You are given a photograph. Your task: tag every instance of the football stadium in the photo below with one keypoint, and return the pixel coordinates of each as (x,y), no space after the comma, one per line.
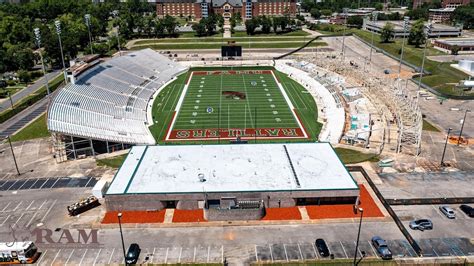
(229,140)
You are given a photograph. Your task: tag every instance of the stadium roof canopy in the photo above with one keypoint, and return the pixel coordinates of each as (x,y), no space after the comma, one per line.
(231,168)
(111,100)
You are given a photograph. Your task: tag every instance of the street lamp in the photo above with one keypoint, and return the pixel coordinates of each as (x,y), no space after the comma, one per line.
(119,216)
(57,23)
(462,126)
(344,11)
(405,28)
(445,144)
(87,17)
(358,235)
(13,154)
(38,43)
(430,27)
(115,14)
(374,20)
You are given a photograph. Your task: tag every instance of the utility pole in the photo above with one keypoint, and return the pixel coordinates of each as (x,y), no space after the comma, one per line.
(57,23)
(358,235)
(13,154)
(445,144)
(119,216)
(37,33)
(87,18)
(430,26)
(406,21)
(374,20)
(344,11)
(462,126)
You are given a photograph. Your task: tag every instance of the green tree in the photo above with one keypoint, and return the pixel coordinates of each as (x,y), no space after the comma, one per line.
(315,13)
(24,76)
(378,6)
(386,35)
(417,33)
(465,15)
(200,28)
(158,28)
(170,24)
(251,25)
(355,21)
(326,12)
(266,24)
(455,49)
(276,23)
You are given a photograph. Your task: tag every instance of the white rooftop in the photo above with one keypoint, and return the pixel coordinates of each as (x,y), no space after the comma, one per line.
(231,168)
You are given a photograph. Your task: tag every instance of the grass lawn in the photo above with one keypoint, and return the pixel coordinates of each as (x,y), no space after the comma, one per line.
(36,129)
(214,39)
(234,101)
(257,34)
(349,156)
(429,127)
(113,162)
(443,77)
(365,261)
(175,46)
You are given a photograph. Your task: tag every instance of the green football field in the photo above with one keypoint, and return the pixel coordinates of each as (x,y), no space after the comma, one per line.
(247,103)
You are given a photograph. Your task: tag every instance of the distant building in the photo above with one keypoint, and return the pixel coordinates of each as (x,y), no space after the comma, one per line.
(437,31)
(464,44)
(444,3)
(441,15)
(248,9)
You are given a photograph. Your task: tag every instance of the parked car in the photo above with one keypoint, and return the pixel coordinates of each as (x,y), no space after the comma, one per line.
(421,224)
(467,210)
(382,249)
(133,253)
(322,247)
(448,212)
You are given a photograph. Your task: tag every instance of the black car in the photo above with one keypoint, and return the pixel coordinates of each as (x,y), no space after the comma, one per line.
(382,249)
(322,247)
(468,210)
(133,253)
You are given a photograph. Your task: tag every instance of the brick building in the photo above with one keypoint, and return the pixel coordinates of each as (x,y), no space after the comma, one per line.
(444,3)
(198,9)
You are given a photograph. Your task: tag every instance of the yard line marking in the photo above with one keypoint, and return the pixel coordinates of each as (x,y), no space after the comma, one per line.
(12,185)
(19,218)
(17,206)
(180,253)
(83,256)
(286,254)
(42,185)
(8,217)
(47,212)
(6,206)
(55,182)
(301,253)
(41,257)
(33,183)
(27,208)
(194,255)
(375,253)
(96,257)
(208,253)
(314,249)
(52,262)
(271,252)
(68,258)
(166,257)
(90,179)
(256,254)
(111,255)
(343,249)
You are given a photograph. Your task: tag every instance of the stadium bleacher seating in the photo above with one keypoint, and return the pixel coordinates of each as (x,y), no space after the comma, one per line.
(109,101)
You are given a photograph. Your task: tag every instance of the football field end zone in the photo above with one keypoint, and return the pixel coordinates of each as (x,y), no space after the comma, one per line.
(232,133)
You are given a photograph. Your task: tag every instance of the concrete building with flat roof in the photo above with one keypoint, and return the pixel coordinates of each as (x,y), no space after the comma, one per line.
(226,177)
(464,44)
(437,30)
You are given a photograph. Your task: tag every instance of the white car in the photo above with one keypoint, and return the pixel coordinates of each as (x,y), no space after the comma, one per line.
(448,212)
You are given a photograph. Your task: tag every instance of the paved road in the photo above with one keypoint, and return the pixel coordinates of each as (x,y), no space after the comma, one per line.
(5,104)
(24,117)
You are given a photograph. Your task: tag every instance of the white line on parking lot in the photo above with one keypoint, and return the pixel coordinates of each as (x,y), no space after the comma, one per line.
(343,249)
(194,255)
(286,254)
(271,252)
(17,206)
(314,249)
(222,254)
(6,207)
(55,182)
(44,202)
(52,263)
(44,183)
(42,256)
(166,256)
(83,256)
(437,211)
(256,254)
(19,218)
(112,254)
(436,253)
(47,212)
(180,253)
(88,181)
(33,184)
(8,217)
(301,253)
(31,220)
(27,208)
(373,250)
(152,256)
(12,185)
(22,184)
(208,253)
(68,258)
(96,257)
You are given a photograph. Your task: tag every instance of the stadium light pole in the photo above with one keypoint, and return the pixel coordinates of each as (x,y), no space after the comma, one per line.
(119,216)
(344,11)
(406,21)
(37,33)
(358,235)
(13,155)
(462,126)
(428,31)
(374,20)
(445,144)
(87,18)
(115,14)
(57,23)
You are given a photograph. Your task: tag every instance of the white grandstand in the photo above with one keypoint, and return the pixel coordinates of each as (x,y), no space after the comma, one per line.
(109,102)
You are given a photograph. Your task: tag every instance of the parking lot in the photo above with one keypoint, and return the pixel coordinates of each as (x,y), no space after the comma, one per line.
(43,183)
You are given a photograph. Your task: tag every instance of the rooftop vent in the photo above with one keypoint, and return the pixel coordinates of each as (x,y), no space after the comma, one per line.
(201,177)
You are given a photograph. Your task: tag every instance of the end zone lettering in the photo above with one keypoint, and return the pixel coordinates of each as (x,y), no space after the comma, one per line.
(187,134)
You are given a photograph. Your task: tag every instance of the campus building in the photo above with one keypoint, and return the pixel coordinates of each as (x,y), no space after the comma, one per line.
(437,30)
(197,9)
(444,3)
(230,182)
